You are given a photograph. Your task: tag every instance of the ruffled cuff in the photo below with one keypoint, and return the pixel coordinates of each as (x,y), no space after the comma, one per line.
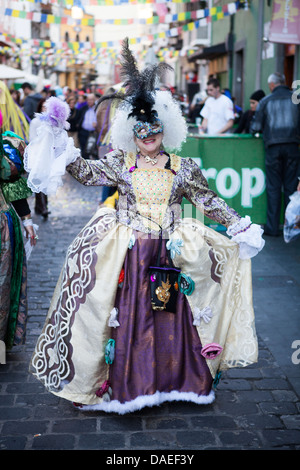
(46,158)
(248,236)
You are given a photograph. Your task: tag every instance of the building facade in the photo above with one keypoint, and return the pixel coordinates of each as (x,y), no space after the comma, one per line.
(241,54)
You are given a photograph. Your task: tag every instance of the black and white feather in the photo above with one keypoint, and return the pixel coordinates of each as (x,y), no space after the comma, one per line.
(142,100)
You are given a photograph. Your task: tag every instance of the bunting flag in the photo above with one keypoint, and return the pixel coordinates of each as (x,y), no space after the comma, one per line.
(91,53)
(215,13)
(111,2)
(90,57)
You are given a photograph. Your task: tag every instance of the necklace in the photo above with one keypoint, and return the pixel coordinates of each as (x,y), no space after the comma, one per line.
(148,159)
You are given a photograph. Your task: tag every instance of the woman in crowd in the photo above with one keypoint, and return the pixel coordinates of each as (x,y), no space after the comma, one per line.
(73,119)
(247,116)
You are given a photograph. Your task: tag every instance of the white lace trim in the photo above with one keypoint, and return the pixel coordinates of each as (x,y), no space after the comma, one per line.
(242,224)
(248,237)
(47,156)
(157,398)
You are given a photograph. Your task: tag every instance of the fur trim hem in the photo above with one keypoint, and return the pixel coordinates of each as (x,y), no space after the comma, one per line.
(142,401)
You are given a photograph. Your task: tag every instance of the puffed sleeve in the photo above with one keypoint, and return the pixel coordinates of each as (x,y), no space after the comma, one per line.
(102,172)
(196,191)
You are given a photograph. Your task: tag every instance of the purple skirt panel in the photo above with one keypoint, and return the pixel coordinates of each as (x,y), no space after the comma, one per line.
(154,350)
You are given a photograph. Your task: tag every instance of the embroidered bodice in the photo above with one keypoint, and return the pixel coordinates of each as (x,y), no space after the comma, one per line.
(13,186)
(151,198)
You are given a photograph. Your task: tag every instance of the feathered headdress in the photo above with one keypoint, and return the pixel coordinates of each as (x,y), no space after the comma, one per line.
(144,101)
(139,86)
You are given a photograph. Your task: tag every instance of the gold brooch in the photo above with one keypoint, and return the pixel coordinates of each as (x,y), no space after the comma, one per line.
(163,293)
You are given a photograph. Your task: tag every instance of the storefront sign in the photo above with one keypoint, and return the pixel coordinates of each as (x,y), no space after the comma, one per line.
(234,167)
(285,26)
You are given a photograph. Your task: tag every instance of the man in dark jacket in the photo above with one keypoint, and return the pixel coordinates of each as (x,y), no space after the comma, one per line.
(31,100)
(87,123)
(278,118)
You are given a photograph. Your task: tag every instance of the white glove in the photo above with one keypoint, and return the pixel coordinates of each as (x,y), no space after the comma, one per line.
(248,236)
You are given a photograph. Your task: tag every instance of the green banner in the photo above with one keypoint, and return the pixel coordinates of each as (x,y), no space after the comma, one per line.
(234,167)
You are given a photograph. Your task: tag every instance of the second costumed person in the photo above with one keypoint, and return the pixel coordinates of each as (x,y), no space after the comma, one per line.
(149,307)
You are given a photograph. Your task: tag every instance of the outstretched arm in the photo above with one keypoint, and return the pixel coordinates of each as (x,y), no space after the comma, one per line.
(103,172)
(197,191)
(241,230)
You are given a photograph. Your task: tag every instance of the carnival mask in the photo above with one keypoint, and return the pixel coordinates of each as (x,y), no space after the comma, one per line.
(142,130)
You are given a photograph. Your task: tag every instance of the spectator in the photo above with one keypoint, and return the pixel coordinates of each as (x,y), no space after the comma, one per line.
(67,92)
(16,96)
(87,123)
(236,109)
(278,118)
(50,93)
(247,116)
(217,113)
(31,100)
(41,199)
(105,113)
(73,119)
(81,101)
(196,105)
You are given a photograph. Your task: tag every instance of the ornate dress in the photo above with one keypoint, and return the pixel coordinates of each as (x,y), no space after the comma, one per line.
(13,268)
(102,345)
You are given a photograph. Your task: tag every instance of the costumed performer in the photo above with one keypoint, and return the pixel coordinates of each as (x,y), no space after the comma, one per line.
(113,342)
(13,116)
(13,262)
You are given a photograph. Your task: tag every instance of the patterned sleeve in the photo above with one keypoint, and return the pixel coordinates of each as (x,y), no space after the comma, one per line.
(197,192)
(102,172)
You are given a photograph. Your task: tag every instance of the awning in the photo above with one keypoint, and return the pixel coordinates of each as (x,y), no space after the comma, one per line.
(4,42)
(209,53)
(10,73)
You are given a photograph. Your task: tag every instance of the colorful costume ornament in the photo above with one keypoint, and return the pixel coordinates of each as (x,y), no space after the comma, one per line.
(157,355)
(49,152)
(13,263)
(13,117)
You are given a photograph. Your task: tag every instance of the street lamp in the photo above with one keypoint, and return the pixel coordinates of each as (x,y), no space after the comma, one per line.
(77,10)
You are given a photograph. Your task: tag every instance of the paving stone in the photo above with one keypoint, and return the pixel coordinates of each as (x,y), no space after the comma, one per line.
(25,427)
(74,426)
(196,440)
(125,424)
(13,442)
(54,442)
(278,408)
(166,423)
(291,421)
(213,422)
(102,441)
(244,439)
(152,440)
(281,437)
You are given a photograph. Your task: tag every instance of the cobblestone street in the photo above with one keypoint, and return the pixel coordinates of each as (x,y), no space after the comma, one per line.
(255,408)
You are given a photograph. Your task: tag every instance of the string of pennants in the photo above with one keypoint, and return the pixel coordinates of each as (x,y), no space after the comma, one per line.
(214,13)
(111,2)
(208,15)
(52,57)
